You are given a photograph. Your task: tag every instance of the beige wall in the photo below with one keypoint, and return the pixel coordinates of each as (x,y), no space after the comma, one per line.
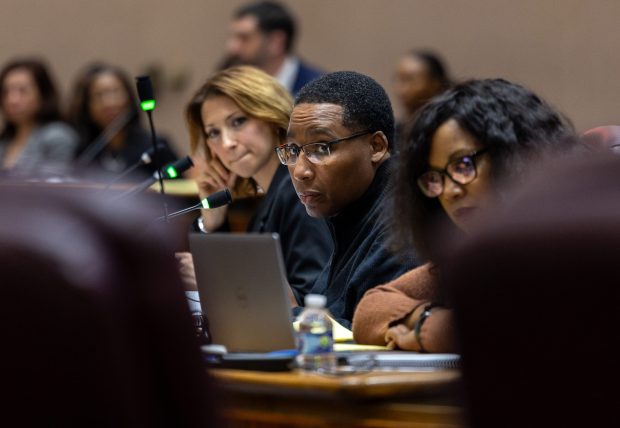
(566,50)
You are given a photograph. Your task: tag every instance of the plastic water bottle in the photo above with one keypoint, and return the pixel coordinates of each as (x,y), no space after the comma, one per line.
(315,338)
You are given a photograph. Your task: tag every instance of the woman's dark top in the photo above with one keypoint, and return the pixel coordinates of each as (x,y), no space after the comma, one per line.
(137,141)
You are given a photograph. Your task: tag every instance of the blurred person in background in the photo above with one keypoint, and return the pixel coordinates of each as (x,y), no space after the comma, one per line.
(104,111)
(603,138)
(420,75)
(33,139)
(262,34)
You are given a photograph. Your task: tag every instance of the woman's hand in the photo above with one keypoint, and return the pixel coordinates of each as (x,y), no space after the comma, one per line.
(213,176)
(185,262)
(401,337)
(436,333)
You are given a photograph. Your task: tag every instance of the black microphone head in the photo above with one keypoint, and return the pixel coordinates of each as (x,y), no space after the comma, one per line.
(145,92)
(218,199)
(147,157)
(145,88)
(177,167)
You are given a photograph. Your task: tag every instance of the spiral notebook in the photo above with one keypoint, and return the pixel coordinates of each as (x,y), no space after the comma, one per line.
(401,360)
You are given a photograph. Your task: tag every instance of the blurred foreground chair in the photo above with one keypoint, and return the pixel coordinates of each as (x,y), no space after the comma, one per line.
(536,297)
(603,138)
(94,323)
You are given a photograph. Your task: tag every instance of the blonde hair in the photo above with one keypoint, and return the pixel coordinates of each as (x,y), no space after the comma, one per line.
(255,92)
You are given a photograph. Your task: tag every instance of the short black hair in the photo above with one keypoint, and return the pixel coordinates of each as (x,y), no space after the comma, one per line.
(365,104)
(271,16)
(514,124)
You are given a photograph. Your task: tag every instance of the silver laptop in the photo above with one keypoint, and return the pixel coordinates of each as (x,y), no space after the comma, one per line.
(243,290)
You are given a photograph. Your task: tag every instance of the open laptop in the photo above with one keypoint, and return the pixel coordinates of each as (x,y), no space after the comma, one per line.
(243,291)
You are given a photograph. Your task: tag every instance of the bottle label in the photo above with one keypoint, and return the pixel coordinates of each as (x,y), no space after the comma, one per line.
(312,343)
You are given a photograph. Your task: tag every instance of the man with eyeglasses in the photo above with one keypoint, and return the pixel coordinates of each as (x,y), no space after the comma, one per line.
(338,148)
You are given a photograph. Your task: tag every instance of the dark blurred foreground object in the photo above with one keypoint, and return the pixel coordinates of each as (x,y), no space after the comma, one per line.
(536,302)
(603,138)
(95,326)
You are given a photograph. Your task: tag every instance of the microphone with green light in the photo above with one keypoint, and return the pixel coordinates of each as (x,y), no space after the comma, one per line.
(215,200)
(173,170)
(147,103)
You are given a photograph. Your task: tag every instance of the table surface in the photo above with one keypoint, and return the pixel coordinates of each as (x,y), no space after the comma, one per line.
(361,384)
(371,399)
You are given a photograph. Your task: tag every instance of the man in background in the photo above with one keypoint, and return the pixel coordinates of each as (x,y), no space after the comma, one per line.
(262,34)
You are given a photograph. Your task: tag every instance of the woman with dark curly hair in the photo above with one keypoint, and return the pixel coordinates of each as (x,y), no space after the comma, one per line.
(461,148)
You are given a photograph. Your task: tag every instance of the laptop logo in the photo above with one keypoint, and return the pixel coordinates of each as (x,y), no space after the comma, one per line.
(241,297)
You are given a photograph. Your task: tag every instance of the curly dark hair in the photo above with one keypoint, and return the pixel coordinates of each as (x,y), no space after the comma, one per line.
(514,124)
(365,105)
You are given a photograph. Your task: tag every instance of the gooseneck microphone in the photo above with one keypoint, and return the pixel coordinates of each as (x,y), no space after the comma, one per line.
(215,200)
(104,138)
(171,171)
(145,159)
(147,103)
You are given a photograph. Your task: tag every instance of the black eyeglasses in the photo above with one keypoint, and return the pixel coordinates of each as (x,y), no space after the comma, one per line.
(315,152)
(462,171)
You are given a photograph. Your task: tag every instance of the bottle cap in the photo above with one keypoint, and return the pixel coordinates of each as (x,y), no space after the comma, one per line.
(315,301)
(214,349)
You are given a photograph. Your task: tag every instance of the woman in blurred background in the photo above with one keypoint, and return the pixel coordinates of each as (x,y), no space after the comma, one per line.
(238,117)
(104,111)
(33,140)
(420,75)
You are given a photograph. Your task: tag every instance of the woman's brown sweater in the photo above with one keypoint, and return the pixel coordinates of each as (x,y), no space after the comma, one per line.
(389,304)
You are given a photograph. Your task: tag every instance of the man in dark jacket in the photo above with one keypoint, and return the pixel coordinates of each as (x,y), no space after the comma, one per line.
(339,140)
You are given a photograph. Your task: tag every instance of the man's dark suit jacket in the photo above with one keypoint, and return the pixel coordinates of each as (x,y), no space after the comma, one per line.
(305,74)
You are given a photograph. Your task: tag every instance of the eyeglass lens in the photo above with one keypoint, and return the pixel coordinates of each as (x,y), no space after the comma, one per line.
(315,152)
(461,171)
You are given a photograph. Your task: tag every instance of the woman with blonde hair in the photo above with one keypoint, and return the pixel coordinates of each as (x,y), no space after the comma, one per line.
(237,118)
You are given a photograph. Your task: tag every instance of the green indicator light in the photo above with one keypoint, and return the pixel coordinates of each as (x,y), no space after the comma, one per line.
(205,203)
(171,172)
(147,105)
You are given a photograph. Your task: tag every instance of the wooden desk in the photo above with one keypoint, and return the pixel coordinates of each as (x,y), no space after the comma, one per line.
(375,399)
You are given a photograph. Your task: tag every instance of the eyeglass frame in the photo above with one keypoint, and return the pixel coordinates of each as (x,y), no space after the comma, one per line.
(327,143)
(444,172)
